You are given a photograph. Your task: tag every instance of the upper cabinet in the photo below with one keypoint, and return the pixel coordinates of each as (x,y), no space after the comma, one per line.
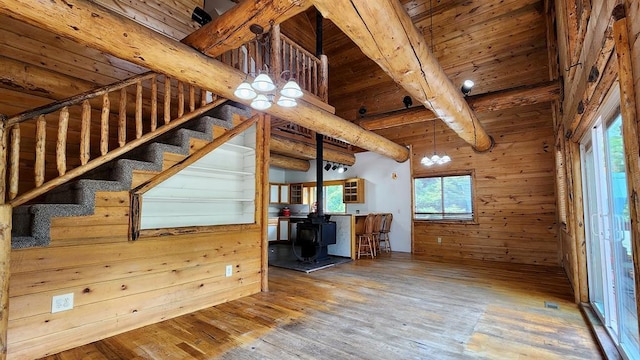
(295,194)
(353,191)
(278,193)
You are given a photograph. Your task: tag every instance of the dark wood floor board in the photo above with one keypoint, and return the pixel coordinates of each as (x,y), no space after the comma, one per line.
(394,307)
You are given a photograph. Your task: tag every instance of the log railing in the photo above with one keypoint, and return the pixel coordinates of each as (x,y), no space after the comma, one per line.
(280,55)
(55,143)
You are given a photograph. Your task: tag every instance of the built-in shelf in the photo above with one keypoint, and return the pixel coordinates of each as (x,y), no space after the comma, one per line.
(218,189)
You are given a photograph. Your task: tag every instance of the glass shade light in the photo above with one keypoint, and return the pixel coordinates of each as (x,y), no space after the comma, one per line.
(263,83)
(261,102)
(435,159)
(287,102)
(245,91)
(291,90)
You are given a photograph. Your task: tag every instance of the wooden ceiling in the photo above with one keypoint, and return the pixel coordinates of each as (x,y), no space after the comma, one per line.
(499,44)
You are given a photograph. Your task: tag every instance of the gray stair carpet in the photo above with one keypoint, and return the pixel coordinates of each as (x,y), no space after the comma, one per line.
(32,222)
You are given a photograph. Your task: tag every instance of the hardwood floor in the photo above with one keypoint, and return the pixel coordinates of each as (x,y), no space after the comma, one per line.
(394,307)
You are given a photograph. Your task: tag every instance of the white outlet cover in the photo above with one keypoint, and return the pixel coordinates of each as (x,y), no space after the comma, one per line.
(229,270)
(61,303)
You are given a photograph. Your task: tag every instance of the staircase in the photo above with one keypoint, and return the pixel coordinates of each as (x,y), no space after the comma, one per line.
(32,220)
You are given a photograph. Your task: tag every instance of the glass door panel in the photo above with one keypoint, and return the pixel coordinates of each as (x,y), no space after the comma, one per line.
(624,285)
(608,235)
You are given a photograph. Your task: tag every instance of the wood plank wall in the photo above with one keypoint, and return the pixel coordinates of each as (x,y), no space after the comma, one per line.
(120,285)
(514,189)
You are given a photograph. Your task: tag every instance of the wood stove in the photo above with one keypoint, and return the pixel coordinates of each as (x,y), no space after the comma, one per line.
(313,237)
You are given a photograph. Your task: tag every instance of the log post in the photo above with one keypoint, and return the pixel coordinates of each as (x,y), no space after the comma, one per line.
(61,143)
(323,91)
(154,103)
(167,99)
(85,133)
(3,158)
(104,125)
(180,98)
(14,161)
(630,133)
(138,109)
(41,140)
(276,52)
(122,119)
(5,271)
(192,98)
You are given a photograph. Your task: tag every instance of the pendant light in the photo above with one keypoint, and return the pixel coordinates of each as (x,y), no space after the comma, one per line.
(435,159)
(262,90)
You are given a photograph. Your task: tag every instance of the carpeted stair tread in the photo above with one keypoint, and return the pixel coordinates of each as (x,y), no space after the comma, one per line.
(32,223)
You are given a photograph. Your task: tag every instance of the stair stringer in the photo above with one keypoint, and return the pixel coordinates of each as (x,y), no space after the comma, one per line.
(32,222)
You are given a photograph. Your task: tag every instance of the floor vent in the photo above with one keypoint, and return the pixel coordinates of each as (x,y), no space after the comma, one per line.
(551,305)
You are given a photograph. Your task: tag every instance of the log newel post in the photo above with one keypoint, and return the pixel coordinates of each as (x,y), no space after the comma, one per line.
(5,257)
(276,52)
(3,158)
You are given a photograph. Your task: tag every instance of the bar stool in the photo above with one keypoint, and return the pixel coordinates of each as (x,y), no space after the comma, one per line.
(384,233)
(365,239)
(377,227)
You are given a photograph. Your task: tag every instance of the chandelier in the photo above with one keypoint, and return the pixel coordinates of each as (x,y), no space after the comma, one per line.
(262,90)
(435,159)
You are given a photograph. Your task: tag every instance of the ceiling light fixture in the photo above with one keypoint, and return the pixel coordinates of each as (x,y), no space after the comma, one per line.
(435,159)
(262,90)
(327,167)
(467,85)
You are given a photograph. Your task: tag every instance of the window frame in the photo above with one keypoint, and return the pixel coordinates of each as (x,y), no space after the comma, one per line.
(474,208)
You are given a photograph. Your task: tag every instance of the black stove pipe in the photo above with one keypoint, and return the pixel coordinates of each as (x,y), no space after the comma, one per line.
(319,137)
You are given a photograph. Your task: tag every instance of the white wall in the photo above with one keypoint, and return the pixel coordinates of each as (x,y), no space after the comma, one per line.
(383,193)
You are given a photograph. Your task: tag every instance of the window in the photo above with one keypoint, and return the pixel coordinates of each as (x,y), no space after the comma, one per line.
(332,196)
(333,199)
(443,198)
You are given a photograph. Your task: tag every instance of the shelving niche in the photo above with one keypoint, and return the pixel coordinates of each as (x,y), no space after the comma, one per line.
(218,189)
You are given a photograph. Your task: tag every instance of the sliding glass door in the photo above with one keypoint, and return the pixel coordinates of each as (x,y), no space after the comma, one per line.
(609,261)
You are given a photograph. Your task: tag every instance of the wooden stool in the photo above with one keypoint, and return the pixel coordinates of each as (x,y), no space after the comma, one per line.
(384,233)
(377,227)
(365,239)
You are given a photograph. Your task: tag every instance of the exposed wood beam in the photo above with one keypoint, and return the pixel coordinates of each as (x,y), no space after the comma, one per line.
(510,98)
(231,29)
(302,150)
(397,118)
(494,101)
(39,81)
(385,33)
(88,24)
(289,163)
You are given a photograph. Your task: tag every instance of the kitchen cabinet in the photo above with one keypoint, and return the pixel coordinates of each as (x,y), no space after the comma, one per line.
(278,193)
(272,229)
(353,191)
(295,191)
(284,193)
(283,232)
(274,193)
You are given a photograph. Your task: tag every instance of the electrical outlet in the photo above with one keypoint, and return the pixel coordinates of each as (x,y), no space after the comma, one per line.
(229,270)
(439,240)
(61,303)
